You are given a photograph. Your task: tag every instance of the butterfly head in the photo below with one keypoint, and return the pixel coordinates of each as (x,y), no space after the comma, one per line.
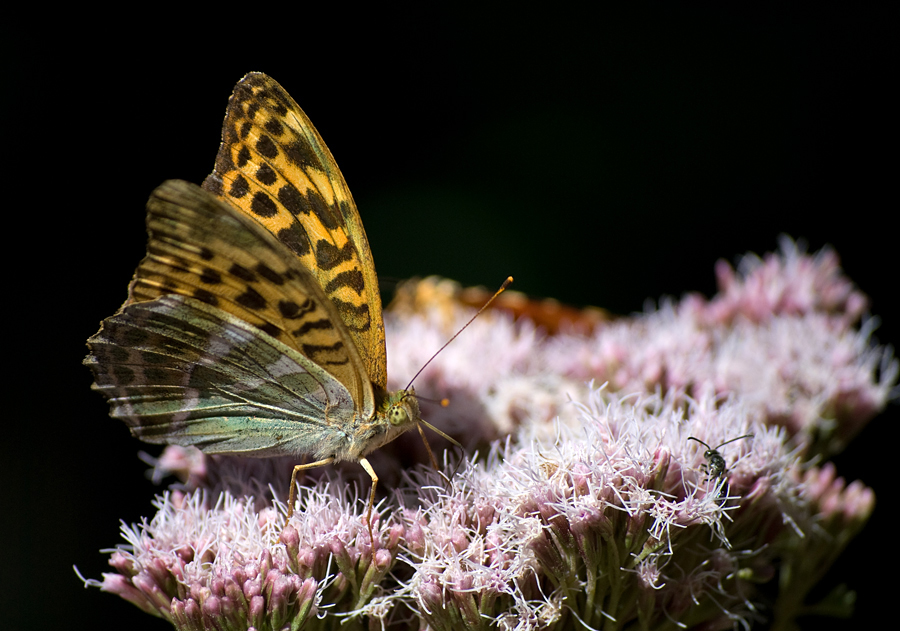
(399,412)
(404,409)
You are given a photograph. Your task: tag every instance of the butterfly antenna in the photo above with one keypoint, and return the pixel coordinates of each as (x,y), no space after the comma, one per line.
(506,283)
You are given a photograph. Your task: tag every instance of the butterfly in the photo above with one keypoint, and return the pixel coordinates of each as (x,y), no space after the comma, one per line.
(253,326)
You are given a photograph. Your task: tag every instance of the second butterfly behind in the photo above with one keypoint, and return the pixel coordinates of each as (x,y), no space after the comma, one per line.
(253,326)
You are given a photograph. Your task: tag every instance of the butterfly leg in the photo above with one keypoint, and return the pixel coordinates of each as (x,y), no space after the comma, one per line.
(302,467)
(365,465)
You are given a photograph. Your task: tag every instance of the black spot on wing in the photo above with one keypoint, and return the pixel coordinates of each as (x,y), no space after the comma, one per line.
(266,175)
(288,308)
(116,354)
(274,127)
(280,108)
(295,239)
(292,199)
(242,272)
(239,187)
(315,325)
(263,205)
(267,147)
(269,274)
(310,203)
(206,297)
(122,375)
(328,256)
(322,210)
(311,350)
(243,157)
(300,153)
(351,278)
(291,310)
(210,277)
(251,299)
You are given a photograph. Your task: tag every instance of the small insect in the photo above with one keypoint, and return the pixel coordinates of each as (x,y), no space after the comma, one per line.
(716,466)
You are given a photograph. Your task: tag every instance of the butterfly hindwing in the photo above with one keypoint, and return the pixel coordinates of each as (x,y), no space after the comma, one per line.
(274,167)
(178,371)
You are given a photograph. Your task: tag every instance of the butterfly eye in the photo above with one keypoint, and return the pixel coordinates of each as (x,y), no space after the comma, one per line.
(398,415)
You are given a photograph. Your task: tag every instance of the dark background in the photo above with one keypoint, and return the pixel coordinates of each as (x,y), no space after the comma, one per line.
(601,158)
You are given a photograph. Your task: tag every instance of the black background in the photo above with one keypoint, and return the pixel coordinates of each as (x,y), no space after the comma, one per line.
(601,158)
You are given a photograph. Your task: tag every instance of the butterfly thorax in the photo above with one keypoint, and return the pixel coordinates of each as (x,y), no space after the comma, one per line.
(395,413)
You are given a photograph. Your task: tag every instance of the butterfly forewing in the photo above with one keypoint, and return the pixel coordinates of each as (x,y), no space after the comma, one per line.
(274,167)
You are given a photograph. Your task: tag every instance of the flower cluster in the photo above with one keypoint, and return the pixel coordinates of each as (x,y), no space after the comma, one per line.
(230,566)
(780,336)
(612,519)
(593,508)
